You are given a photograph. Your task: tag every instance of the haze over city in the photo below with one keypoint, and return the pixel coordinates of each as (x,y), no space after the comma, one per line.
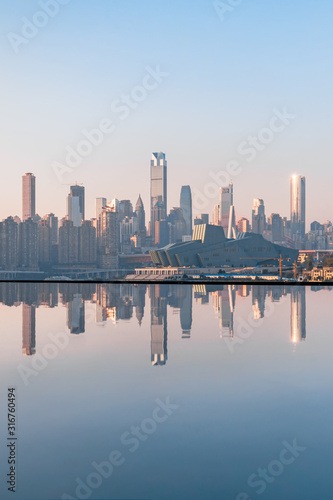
(223,80)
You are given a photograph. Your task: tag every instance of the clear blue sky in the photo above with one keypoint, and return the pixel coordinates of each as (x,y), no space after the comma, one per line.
(225,78)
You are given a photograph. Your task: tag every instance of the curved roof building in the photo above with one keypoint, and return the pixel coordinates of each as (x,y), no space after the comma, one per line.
(210,248)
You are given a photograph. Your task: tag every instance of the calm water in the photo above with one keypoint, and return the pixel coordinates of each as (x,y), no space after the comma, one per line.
(168,392)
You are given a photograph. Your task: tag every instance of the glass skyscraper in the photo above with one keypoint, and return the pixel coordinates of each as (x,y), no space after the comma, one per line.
(158,190)
(186,208)
(226,201)
(297,206)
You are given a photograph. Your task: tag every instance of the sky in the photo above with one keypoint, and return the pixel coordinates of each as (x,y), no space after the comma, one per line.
(202,80)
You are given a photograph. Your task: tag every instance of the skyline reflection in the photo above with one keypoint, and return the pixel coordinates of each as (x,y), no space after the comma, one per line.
(124,302)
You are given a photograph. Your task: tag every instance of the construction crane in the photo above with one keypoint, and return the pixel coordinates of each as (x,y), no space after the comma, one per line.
(76,184)
(280,259)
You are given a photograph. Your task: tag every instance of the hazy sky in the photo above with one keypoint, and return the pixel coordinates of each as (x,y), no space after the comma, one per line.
(220,79)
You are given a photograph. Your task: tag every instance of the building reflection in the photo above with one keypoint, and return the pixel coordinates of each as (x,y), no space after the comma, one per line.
(28,330)
(76,314)
(224,304)
(186,312)
(159,324)
(124,302)
(298,314)
(258,301)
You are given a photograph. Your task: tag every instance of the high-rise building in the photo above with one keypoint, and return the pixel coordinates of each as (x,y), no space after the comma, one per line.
(161,233)
(78,191)
(201,219)
(28,196)
(87,243)
(216,215)
(258,216)
(68,243)
(128,228)
(226,201)
(44,242)
(177,225)
(109,237)
(297,206)
(276,223)
(243,225)
(158,190)
(53,223)
(232,228)
(9,255)
(48,239)
(73,210)
(28,244)
(186,208)
(125,209)
(100,204)
(141,215)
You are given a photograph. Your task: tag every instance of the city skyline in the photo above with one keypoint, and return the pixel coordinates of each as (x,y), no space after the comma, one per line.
(297,209)
(222,192)
(301,220)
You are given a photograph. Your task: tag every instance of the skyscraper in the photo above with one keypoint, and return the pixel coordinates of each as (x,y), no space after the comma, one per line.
(9,248)
(100,204)
(158,190)
(28,244)
(226,201)
(141,215)
(109,236)
(68,243)
(232,228)
(28,196)
(258,216)
(78,191)
(73,210)
(297,206)
(186,208)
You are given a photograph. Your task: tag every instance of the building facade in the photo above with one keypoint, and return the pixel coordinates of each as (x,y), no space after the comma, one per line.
(28,196)
(186,208)
(158,190)
(297,206)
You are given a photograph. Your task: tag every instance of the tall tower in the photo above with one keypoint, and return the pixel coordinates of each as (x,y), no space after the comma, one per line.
(158,190)
(73,210)
(258,216)
(297,206)
(141,215)
(226,201)
(232,228)
(79,192)
(28,196)
(186,208)
(75,205)
(100,204)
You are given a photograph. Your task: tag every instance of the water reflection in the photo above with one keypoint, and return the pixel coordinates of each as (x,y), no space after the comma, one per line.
(125,301)
(28,330)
